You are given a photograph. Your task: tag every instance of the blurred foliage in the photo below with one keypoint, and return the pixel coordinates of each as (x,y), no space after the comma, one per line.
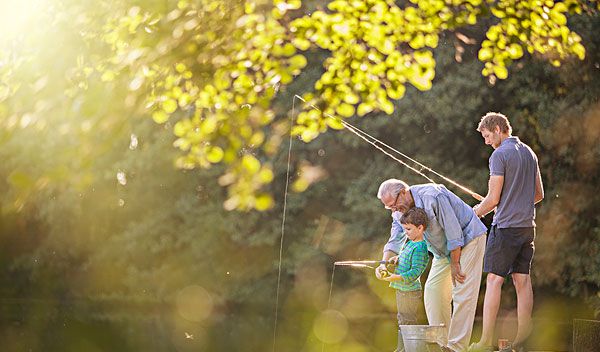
(214,69)
(105,246)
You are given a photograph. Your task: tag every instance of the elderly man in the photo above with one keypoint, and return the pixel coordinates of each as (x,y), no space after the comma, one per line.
(456,237)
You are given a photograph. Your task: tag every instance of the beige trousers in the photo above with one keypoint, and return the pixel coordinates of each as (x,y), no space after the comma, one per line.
(439,294)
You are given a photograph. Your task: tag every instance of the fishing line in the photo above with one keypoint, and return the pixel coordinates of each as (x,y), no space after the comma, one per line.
(287,182)
(373,141)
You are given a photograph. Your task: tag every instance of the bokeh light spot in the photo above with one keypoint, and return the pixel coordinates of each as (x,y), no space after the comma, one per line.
(330,326)
(194,303)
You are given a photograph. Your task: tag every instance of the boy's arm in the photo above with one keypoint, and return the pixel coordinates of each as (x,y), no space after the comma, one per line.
(419,260)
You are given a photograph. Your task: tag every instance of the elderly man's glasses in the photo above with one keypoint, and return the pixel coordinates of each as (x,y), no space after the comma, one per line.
(393,205)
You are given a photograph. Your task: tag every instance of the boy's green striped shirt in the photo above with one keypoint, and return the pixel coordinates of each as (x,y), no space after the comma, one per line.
(412,261)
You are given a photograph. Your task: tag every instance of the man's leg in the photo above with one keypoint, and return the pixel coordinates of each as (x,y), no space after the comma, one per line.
(499,256)
(491,304)
(522,284)
(464,296)
(438,292)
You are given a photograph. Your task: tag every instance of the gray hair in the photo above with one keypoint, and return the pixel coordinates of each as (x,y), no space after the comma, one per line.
(391,187)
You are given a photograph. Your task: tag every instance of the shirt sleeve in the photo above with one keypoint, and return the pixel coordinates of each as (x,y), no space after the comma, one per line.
(396,235)
(448,220)
(419,260)
(496,164)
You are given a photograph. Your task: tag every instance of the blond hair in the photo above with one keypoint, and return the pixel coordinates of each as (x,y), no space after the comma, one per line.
(492,119)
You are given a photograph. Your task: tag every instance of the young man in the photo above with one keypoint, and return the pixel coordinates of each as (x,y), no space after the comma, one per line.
(456,237)
(515,185)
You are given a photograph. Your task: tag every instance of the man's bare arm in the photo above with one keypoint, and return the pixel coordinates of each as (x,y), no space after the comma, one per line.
(492,198)
(539,188)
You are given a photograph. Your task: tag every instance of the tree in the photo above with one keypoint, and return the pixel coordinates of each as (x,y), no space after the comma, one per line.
(215,69)
(95,220)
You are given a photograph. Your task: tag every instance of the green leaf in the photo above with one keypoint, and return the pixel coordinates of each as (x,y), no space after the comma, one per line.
(160,116)
(250,163)
(265,175)
(169,105)
(289,49)
(500,71)
(364,108)
(300,185)
(579,50)
(263,202)
(298,61)
(387,106)
(351,98)
(334,123)
(214,154)
(209,125)
(301,43)
(515,51)
(345,110)
(485,54)
(181,128)
(397,93)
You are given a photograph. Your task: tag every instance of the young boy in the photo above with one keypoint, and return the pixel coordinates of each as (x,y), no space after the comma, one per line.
(412,261)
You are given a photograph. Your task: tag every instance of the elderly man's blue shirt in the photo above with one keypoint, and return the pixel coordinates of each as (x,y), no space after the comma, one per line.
(452,222)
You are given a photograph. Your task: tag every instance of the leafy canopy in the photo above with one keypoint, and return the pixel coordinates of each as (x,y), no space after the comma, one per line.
(212,70)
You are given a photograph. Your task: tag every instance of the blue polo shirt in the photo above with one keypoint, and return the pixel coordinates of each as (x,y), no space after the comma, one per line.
(518,164)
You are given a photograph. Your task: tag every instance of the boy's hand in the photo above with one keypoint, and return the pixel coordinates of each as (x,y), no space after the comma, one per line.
(379,271)
(393,260)
(393,277)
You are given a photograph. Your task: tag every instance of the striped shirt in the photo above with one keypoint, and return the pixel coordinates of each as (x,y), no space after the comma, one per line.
(412,261)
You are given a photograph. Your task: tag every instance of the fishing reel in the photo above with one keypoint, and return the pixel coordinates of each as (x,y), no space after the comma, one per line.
(390,268)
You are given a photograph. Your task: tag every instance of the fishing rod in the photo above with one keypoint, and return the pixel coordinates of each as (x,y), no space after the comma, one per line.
(363,263)
(374,142)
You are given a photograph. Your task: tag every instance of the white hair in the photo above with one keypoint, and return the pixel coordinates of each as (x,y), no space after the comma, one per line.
(391,187)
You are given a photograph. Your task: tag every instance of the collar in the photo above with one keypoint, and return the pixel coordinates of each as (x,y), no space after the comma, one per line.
(510,140)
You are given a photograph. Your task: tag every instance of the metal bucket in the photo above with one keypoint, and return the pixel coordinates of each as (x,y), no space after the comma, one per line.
(424,338)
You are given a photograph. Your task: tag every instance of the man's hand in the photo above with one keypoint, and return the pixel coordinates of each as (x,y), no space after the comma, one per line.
(457,274)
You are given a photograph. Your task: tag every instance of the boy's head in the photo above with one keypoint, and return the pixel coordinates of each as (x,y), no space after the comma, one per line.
(414,222)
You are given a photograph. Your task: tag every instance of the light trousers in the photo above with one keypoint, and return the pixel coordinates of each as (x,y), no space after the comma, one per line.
(454,306)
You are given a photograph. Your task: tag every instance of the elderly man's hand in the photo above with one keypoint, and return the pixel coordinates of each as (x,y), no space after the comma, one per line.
(457,274)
